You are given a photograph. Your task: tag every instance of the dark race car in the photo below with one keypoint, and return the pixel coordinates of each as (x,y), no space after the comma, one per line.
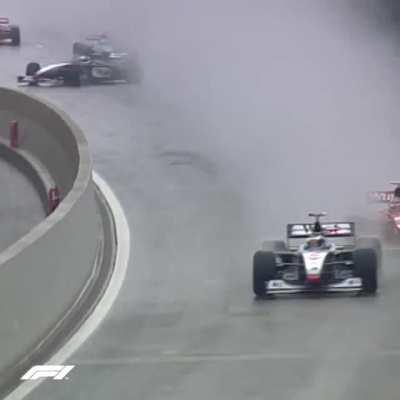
(84,70)
(9,33)
(390,215)
(97,46)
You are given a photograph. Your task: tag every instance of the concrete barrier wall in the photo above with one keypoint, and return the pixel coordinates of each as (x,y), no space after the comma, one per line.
(43,273)
(28,166)
(46,134)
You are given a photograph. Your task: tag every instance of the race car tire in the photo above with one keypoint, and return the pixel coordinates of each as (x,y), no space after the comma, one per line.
(264,267)
(81,49)
(366,267)
(72,78)
(371,243)
(15,35)
(134,75)
(131,70)
(274,245)
(388,232)
(32,68)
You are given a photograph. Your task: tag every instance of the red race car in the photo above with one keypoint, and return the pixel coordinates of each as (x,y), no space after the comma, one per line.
(9,33)
(392,213)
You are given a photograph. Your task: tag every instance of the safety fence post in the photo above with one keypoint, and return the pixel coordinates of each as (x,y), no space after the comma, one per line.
(14,134)
(53,199)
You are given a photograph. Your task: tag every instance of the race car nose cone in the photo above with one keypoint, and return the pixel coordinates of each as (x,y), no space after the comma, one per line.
(313,278)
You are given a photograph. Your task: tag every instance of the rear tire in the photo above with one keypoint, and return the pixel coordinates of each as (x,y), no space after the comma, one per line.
(274,245)
(388,232)
(366,267)
(264,267)
(72,78)
(131,71)
(15,35)
(32,68)
(134,75)
(81,49)
(371,243)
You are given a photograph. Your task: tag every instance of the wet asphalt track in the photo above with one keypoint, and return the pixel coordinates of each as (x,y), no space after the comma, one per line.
(185,325)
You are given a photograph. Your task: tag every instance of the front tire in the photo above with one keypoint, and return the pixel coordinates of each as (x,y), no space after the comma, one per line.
(81,49)
(366,267)
(371,243)
(134,75)
(32,68)
(274,245)
(264,267)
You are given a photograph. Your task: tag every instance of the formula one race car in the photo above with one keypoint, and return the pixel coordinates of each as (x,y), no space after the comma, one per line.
(391,215)
(96,46)
(9,33)
(85,70)
(318,257)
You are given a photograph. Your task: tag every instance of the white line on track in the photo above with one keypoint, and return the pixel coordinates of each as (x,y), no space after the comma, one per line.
(106,302)
(196,358)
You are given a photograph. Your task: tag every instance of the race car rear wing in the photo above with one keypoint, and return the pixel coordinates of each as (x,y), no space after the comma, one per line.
(380,196)
(98,37)
(341,233)
(4,21)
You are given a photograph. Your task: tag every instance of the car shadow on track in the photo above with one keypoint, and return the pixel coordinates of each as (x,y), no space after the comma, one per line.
(314,296)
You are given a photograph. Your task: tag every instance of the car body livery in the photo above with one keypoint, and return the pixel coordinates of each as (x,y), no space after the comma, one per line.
(85,70)
(9,33)
(391,214)
(317,257)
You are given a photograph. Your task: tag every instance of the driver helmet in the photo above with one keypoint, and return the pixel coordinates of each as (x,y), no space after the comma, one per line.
(316,242)
(84,59)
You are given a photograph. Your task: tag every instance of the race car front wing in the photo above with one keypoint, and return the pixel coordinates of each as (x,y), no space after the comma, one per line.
(281,286)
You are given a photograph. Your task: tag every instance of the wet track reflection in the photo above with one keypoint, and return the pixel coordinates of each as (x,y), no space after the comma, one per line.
(209,169)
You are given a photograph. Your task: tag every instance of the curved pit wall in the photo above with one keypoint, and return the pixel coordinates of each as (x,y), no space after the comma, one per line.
(43,273)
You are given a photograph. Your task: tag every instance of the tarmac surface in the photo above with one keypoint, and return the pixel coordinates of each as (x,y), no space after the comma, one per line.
(201,189)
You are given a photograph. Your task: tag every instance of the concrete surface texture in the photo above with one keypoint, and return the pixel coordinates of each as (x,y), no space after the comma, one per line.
(44,272)
(248,117)
(21,208)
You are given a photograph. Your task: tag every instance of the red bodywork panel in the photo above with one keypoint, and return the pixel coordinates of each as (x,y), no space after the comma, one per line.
(392,215)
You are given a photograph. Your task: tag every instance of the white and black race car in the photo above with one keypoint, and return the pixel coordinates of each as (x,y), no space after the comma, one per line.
(84,70)
(318,257)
